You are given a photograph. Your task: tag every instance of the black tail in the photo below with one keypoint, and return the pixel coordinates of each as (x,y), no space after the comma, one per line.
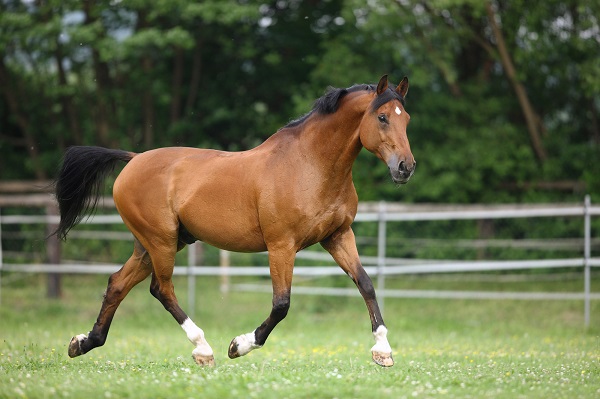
(80,182)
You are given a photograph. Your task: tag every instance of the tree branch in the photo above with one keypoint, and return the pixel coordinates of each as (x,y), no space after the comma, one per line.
(439,63)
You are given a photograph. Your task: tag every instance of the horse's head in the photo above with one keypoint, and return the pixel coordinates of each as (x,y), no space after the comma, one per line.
(383,130)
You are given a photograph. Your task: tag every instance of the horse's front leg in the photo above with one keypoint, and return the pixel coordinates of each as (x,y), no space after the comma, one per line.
(281,267)
(342,246)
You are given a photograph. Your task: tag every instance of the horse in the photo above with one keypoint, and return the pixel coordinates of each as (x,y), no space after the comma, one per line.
(292,191)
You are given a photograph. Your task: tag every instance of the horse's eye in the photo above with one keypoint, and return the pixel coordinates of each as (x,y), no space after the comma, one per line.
(382,118)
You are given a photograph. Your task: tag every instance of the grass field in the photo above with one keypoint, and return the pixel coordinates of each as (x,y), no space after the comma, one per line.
(451,349)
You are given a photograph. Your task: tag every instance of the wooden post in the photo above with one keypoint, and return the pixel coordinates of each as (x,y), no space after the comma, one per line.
(587,252)
(195,258)
(53,252)
(1,257)
(485,232)
(224,262)
(381,252)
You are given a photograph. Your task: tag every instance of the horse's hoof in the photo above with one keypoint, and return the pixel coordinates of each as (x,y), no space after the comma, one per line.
(383,359)
(204,360)
(233,350)
(75,345)
(242,345)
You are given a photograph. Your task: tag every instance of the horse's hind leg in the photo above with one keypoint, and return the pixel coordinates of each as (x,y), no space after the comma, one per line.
(136,269)
(162,289)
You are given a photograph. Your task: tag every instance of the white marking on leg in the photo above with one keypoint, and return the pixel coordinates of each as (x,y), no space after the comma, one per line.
(81,337)
(381,343)
(398,112)
(245,343)
(196,337)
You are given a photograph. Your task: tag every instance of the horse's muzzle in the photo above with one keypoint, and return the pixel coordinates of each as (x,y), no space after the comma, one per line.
(402,171)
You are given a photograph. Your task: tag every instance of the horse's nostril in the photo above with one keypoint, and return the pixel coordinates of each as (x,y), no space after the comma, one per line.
(406,167)
(402,166)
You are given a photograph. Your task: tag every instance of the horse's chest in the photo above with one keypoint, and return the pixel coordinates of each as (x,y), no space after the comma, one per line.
(325,224)
(307,222)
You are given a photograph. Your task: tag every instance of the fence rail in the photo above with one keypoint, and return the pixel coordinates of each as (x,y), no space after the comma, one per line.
(378,266)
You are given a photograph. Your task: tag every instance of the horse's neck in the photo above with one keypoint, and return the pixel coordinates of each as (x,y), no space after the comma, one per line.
(334,145)
(330,143)
(334,139)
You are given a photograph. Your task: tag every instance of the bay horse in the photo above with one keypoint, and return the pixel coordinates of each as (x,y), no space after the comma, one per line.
(292,191)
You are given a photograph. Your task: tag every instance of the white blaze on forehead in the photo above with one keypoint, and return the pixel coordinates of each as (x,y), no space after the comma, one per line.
(398,110)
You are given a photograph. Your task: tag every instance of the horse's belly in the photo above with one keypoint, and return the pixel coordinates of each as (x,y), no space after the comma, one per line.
(226,232)
(223,218)
(212,195)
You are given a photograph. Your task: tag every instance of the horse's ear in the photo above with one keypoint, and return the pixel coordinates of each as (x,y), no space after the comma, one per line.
(382,85)
(402,88)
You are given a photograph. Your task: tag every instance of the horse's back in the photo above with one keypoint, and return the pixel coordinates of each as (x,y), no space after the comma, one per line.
(148,174)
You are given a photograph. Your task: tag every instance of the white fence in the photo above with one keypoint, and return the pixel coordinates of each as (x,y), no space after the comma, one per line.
(379,266)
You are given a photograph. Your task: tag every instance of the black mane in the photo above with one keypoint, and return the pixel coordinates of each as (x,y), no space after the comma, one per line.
(329,103)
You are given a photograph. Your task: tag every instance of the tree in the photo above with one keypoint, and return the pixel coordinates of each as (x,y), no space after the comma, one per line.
(504,95)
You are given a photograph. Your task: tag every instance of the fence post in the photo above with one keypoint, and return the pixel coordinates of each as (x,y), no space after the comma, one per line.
(224,262)
(53,252)
(1,258)
(381,242)
(192,260)
(586,258)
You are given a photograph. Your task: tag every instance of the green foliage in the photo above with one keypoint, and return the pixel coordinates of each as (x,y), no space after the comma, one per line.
(227,74)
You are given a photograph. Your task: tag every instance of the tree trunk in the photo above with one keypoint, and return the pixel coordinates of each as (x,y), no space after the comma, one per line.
(595,126)
(532,119)
(21,120)
(148,106)
(195,79)
(103,84)
(176,85)
(66,99)
(147,95)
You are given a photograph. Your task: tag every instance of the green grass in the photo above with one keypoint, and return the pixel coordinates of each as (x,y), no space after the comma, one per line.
(451,349)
